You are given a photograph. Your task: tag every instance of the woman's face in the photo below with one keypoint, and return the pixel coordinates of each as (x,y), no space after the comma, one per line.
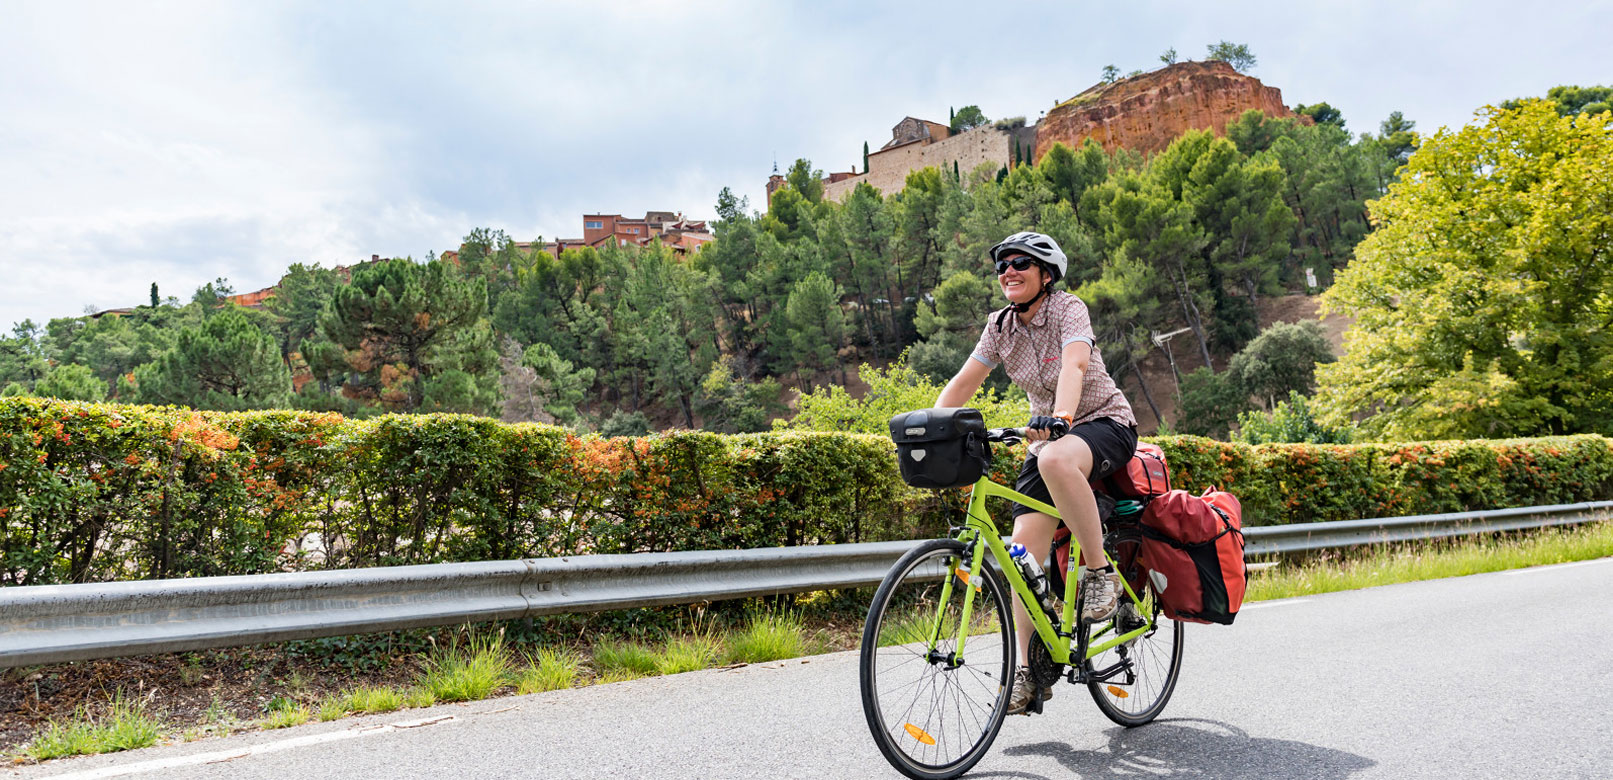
(1021,286)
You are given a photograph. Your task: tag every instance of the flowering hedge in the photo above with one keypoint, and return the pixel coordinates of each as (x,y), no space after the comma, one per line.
(102,491)
(94,492)
(1301,483)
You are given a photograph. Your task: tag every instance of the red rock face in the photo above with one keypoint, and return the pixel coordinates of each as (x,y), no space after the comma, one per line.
(1145,113)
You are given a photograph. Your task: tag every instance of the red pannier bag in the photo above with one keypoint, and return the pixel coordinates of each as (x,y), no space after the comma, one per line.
(1142,478)
(1193,549)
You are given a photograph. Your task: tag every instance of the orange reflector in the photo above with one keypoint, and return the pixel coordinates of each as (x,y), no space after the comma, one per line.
(963,574)
(919,734)
(1120,693)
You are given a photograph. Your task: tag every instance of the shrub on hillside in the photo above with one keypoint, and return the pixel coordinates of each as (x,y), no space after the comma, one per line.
(890,392)
(1289,422)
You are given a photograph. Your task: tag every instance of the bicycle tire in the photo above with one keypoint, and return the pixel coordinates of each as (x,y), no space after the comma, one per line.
(1156,664)
(933,719)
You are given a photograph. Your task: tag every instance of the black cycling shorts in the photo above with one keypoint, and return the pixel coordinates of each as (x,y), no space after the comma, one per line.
(1111,442)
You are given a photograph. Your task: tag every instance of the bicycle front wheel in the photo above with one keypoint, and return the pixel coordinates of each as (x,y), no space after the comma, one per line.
(934,711)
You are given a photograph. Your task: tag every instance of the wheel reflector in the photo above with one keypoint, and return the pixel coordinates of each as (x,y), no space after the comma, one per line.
(1120,693)
(919,734)
(963,574)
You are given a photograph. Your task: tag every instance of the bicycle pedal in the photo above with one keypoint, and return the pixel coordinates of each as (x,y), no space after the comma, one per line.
(1034,707)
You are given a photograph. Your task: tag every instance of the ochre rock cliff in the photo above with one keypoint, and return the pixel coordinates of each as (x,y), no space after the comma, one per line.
(1145,113)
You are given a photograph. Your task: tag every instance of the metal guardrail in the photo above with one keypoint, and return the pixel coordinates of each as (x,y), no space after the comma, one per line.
(56,623)
(1303,537)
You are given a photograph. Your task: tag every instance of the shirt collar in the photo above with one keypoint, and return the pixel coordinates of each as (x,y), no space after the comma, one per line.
(1038,321)
(1041,311)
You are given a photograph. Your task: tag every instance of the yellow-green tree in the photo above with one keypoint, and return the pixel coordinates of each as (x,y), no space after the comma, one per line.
(1484,299)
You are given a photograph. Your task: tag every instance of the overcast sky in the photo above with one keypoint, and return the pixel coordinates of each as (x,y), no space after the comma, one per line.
(179,142)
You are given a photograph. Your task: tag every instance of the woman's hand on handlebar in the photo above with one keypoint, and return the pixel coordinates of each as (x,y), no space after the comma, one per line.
(1045,427)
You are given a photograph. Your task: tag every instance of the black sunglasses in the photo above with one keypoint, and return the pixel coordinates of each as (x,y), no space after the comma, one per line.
(1020,263)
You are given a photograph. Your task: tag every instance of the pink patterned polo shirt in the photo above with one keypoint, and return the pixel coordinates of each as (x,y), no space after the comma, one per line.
(1032,354)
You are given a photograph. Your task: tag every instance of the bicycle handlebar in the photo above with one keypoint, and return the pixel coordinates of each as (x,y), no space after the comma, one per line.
(1017,435)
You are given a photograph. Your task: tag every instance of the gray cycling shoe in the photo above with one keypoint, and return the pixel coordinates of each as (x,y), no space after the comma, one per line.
(1024,690)
(1100,595)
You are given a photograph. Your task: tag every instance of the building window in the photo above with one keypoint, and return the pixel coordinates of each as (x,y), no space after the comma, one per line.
(592,224)
(634,231)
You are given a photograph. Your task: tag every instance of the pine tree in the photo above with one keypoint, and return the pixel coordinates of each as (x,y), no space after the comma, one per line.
(226,363)
(399,328)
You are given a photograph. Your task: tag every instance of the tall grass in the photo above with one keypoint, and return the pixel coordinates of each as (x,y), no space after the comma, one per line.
(767,637)
(466,672)
(549,670)
(124,725)
(289,715)
(623,660)
(372,698)
(688,653)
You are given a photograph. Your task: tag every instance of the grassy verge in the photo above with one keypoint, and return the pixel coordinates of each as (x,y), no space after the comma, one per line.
(1387,565)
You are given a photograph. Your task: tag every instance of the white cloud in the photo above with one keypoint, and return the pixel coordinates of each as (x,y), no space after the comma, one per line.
(183,141)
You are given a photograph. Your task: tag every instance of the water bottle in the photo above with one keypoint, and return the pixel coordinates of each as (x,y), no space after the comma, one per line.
(1035,578)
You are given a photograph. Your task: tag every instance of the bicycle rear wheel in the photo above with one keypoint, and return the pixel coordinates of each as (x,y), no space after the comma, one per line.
(1145,669)
(932,713)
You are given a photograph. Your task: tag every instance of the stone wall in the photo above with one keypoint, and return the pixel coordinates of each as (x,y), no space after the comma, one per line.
(888,169)
(1145,113)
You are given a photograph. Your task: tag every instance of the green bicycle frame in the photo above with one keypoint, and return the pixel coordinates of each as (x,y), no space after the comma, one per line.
(985,535)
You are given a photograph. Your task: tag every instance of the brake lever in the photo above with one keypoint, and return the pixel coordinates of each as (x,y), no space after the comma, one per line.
(1006,435)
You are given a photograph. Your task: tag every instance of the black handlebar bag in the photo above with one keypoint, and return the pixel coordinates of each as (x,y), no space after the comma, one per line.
(941,448)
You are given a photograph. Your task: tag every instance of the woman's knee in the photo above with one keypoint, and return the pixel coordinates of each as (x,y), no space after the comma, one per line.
(1067,457)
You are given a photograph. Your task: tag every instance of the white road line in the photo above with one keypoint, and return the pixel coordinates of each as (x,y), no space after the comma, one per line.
(1276,603)
(1555,566)
(220,756)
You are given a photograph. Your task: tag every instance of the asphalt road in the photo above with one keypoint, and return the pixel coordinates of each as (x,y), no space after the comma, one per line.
(1495,675)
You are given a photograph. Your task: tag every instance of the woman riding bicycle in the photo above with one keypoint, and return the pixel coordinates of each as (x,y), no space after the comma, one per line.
(1048,350)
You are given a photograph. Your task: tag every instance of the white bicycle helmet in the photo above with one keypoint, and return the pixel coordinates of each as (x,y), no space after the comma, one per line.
(1038,246)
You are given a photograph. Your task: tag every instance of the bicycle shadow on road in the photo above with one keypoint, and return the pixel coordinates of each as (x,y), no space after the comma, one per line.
(1193,747)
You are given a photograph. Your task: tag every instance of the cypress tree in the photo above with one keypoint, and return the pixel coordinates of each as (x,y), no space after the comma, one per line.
(865,157)
(955,175)
(153,295)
